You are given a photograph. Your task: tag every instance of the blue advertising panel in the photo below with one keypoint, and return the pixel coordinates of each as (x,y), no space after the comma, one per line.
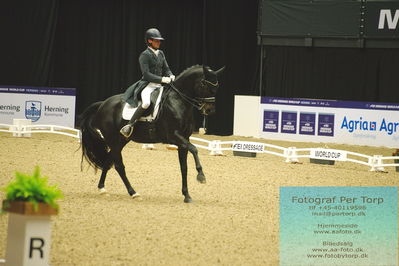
(326,125)
(307,123)
(288,122)
(345,122)
(270,120)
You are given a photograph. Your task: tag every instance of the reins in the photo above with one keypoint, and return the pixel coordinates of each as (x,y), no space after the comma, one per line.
(197,102)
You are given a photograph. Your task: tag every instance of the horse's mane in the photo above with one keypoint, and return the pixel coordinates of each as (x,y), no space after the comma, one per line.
(189,70)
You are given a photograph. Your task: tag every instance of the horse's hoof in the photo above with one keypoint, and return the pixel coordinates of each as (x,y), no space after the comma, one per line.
(201,178)
(148,146)
(137,197)
(103,191)
(187,200)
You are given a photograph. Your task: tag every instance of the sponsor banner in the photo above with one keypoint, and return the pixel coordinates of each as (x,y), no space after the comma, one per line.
(330,103)
(37,90)
(50,106)
(288,122)
(270,120)
(328,154)
(326,125)
(307,123)
(247,146)
(330,226)
(344,122)
(382,19)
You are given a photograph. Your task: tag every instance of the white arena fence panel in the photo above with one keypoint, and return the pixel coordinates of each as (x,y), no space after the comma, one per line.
(21,128)
(27,130)
(292,154)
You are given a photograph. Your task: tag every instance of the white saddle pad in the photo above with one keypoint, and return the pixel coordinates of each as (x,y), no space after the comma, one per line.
(128,110)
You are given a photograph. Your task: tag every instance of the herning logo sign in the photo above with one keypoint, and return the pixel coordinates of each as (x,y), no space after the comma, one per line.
(33,110)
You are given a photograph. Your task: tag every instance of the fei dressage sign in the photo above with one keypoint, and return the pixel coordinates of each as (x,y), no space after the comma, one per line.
(247,146)
(51,106)
(330,121)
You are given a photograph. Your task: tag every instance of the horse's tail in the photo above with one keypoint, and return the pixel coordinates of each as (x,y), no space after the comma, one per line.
(94,148)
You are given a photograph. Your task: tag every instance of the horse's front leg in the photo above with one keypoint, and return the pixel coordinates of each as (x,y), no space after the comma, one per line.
(193,150)
(182,151)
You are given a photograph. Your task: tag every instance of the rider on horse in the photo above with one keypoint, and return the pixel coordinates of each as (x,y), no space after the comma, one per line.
(155,71)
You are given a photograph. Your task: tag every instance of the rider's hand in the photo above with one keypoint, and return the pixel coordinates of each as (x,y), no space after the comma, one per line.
(172,77)
(166,80)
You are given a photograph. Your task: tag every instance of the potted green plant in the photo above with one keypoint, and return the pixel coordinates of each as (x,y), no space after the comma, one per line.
(396,153)
(30,202)
(31,195)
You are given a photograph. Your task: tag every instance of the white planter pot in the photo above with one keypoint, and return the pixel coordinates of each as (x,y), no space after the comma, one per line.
(29,234)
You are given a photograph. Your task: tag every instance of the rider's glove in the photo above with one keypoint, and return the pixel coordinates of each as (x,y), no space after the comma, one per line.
(172,77)
(166,80)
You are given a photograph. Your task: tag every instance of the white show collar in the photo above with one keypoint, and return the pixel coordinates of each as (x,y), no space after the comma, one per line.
(156,52)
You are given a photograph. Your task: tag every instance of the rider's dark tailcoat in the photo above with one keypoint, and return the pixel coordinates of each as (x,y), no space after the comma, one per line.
(153,68)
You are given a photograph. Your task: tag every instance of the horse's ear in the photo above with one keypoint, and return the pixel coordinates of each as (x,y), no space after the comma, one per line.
(206,70)
(220,71)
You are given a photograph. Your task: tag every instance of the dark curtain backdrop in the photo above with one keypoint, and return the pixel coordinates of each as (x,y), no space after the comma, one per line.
(332,73)
(93,46)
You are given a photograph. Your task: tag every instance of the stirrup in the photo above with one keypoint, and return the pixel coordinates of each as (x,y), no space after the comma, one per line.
(127,130)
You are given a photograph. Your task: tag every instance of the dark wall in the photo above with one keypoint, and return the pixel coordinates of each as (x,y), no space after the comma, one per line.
(93,45)
(332,73)
(334,49)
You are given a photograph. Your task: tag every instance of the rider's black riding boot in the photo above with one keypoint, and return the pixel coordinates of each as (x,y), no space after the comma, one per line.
(127,130)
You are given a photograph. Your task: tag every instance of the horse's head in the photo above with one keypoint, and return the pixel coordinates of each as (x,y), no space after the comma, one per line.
(198,85)
(206,89)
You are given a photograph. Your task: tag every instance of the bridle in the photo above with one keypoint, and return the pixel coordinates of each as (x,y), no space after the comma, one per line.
(204,81)
(198,102)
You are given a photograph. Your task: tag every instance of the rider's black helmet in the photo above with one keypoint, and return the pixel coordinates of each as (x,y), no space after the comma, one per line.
(152,33)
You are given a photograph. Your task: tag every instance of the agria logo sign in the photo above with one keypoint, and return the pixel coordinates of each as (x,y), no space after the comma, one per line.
(363,125)
(33,110)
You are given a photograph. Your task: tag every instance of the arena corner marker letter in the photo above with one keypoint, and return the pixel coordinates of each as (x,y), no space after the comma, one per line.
(328,226)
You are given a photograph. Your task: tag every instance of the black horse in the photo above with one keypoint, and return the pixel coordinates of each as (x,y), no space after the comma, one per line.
(100,123)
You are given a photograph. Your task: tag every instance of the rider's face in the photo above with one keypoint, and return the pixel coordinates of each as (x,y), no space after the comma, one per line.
(155,44)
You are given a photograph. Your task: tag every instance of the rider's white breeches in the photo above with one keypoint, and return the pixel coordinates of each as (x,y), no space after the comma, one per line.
(146,94)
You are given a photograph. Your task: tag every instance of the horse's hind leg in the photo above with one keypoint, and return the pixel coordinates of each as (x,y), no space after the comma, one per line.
(120,168)
(107,165)
(182,151)
(101,183)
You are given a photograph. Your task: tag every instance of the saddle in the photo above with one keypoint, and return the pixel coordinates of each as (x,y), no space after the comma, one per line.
(152,111)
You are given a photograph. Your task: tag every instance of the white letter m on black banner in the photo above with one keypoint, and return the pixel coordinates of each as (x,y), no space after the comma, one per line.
(386,14)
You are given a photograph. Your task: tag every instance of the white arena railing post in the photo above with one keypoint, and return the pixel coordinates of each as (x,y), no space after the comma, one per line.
(376,164)
(19,126)
(216,147)
(291,155)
